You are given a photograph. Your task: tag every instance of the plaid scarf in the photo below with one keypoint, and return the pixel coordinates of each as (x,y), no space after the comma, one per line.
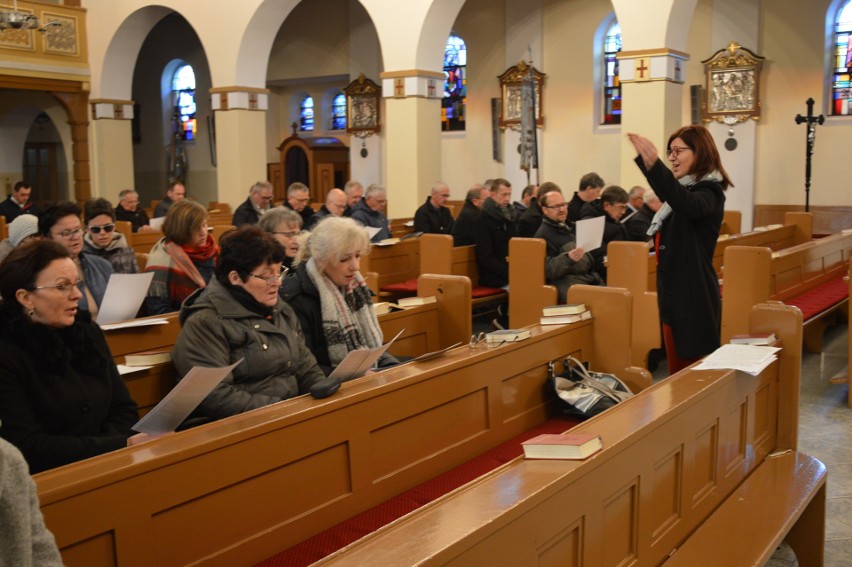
(175,273)
(348,320)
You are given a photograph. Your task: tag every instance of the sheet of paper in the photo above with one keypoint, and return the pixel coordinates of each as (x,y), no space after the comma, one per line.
(185,397)
(135,323)
(157,223)
(124,369)
(590,233)
(372,231)
(124,296)
(357,362)
(748,358)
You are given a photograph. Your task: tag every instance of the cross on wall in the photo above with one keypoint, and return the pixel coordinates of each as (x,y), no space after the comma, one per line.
(640,69)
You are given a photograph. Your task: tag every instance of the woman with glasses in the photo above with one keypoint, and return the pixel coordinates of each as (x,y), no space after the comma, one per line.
(329,295)
(103,240)
(183,260)
(61,397)
(284,225)
(686,227)
(61,223)
(240,316)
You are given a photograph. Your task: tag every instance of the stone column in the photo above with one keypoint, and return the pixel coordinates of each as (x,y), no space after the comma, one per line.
(240,117)
(112,147)
(411,128)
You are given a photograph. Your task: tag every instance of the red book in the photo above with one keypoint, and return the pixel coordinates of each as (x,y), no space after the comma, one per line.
(554,446)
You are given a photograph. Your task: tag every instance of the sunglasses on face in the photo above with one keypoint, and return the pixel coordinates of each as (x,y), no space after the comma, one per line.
(106,228)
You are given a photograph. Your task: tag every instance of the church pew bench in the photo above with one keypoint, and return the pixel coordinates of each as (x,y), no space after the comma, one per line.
(219,207)
(398,227)
(394,265)
(285,472)
(797,229)
(673,456)
(4,230)
(731,222)
(528,293)
(809,276)
(144,241)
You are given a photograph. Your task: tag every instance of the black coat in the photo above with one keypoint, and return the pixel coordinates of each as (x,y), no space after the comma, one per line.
(559,269)
(307,215)
(491,234)
(429,220)
(529,221)
(575,208)
(687,284)
(613,230)
(245,214)
(61,397)
(137,218)
(463,227)
(11,210)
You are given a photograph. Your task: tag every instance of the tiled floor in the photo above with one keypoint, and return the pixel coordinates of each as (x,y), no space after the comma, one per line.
(825,432)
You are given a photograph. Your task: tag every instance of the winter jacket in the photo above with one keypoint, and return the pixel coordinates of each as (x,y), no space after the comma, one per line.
(121,257)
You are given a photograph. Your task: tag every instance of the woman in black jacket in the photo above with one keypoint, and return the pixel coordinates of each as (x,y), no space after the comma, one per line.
(693,193)
(61,397)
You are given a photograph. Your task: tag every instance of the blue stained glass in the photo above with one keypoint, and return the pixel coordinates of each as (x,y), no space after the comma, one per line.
(183,89)
(455,84)
(842,52)
(611,84)
(306,114)
(338,112)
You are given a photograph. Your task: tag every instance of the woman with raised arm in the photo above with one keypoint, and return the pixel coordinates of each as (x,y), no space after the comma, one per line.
(686,227)
(61,397)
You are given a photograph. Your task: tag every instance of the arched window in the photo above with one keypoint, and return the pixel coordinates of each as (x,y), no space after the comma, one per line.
(611,110)
(306,114)
(841,89)
(455,84)
(183,92)
(338,112)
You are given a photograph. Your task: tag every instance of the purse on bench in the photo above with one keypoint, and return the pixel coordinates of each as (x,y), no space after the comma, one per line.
(585,394)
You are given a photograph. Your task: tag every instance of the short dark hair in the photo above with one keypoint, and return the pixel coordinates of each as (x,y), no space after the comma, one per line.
(243,250)
(97,207)
(591,180)
(23,265)
(528,190)
(614,194)
(173,183)
(53,213)
(22,185)
(500,181)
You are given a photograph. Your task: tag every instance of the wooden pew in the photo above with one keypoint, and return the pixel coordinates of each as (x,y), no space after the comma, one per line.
(394,264)
(754,275)
(241,489)
(731,222)
(675,457)
(4,230)
(797,229)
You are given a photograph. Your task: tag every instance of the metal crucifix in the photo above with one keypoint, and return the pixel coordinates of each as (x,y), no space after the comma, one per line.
(811,122)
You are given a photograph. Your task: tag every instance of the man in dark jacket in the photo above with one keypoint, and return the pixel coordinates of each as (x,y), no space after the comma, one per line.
(638,224)
(19,202)
(369,211)
(128,210)
(299,199)
(433,217)
(463,225)
(529,222)
(491,234)
(335,206)
(611,206)
(589,190)
(175,193)
(258,202)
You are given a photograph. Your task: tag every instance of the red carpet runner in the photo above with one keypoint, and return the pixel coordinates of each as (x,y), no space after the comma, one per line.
(323,544)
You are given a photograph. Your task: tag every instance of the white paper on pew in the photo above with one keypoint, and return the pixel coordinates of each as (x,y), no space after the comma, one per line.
(357,362)
(123,297)
(185,397)
(124,369)
(372,231)
(157,223)
(748,358)
(590,233)
(135,323)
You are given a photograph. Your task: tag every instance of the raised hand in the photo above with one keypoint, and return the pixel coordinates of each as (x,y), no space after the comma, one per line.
(645,148)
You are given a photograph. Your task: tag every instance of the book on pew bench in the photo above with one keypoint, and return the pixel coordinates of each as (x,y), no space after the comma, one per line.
(569,309)
(555,446)
(507,336)
(565,319)
(148,357)
(415,301)
(383,307)
(759,339)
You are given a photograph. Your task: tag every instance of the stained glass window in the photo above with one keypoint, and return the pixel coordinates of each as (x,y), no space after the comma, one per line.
(841,89)
(611,84)
(306,114)
(183,91)
(455,84)
(338,112)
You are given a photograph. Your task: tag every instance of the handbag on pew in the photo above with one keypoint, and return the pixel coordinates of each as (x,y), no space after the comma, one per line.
(584,393)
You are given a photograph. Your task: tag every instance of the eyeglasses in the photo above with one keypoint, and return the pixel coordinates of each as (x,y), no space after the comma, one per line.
(676,150)
(562,206)
(272,281)
(69,234)
(289,233)
(104,227)
(65,288)
(477,341)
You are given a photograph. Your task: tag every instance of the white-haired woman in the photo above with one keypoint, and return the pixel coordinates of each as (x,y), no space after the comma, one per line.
(284,225)
(329,295)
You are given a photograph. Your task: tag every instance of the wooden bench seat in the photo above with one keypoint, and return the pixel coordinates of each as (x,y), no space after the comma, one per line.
(287,471)
(782,500)
(673,455)
(395,269)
